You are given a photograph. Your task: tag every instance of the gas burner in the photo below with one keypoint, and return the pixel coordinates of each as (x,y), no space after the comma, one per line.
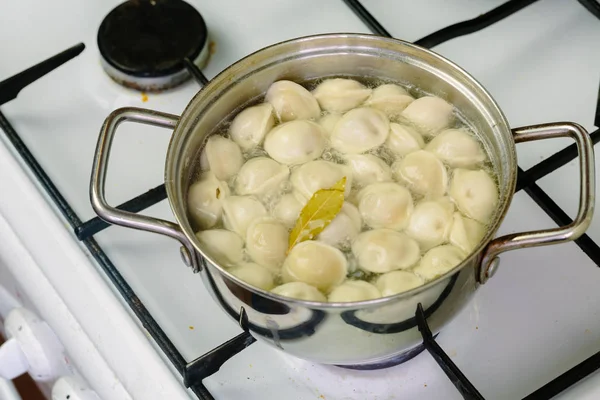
(143,43)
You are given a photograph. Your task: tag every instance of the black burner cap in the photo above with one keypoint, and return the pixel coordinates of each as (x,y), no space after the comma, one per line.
(150,38)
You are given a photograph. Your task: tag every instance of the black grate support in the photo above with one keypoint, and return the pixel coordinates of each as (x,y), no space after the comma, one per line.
(567,379)
(10,88)
(365,16)
(209,363)
(195,72)
(475,24)
(460,381)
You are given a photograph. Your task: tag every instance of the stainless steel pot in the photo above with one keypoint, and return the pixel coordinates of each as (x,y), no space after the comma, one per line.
(364,333)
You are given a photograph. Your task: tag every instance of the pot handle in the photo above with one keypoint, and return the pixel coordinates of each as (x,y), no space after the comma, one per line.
(587,195)
(97,184)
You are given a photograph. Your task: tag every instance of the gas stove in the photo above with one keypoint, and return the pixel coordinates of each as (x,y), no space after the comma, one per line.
(131,321)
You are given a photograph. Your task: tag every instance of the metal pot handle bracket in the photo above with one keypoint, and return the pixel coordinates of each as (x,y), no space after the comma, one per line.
(562,234)
(97,193)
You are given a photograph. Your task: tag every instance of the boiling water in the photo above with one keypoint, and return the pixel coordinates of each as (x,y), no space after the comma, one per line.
(332,155)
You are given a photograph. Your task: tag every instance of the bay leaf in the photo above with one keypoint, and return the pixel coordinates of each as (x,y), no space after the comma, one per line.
(319,211)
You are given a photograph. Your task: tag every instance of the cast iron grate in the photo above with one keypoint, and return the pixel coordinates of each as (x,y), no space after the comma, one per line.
(196,370)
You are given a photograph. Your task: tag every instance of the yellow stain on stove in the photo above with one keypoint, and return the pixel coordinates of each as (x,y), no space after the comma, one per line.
(144,97)
(191,327)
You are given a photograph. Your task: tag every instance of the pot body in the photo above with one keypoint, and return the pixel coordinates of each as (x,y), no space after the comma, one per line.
(362,336)
(360,333)
(344,335)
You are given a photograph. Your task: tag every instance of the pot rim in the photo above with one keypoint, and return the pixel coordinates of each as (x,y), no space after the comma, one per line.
(220,79)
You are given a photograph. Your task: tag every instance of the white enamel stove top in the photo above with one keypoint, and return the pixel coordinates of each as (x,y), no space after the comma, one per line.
(537,317)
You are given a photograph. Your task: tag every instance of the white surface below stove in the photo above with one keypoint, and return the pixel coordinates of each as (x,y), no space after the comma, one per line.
(537,317)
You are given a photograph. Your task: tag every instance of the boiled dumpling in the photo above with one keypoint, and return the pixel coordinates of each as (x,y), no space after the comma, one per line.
(299,290)
(384,250)
(475,193)
(315,263)
(319,174)
(344,227)
(266,242)
(367,169)
(391,99)
(423,172)
(340,95)
(385,205)
(457,148)
(248,128)
(354,291)
(466,233)
(328,123)
(403,140)
(240,211)
(287,209)
(439,260)
(221,156)
(291,101)
(430,222)
(253,274)
(429,113)
(260,175)
(295,142)
(222,245)
(360,130)
(397,282)
(205,200)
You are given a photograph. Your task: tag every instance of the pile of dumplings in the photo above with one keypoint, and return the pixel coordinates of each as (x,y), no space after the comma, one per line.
(419,191)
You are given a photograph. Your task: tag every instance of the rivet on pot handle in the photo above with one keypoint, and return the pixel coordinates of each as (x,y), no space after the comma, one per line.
(586,196)
(97,193)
